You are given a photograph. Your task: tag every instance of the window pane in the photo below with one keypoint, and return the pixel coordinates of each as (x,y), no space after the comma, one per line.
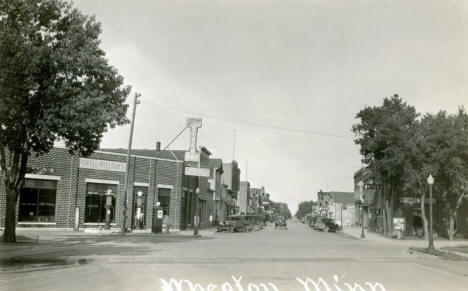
(96,202)
(93,208)
(28,205)
(40,184)
(46,209)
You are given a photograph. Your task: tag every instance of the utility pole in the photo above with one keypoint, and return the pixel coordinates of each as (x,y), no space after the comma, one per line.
(124,211)
(430,181)
(246,170)
(234,147)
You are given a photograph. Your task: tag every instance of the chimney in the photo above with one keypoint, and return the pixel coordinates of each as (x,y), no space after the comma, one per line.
(158,146)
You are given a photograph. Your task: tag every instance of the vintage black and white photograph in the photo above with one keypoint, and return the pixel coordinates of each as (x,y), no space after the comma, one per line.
(234,145)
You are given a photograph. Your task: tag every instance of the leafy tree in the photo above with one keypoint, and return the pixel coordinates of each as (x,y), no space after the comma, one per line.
(55,84)
(418,166)
(381,134)
(280,209)
(305,207)
(447,141)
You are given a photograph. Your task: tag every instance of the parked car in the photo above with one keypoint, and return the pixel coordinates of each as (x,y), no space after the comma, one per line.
(326,225)
(242,223)
(317,224)
(281,222)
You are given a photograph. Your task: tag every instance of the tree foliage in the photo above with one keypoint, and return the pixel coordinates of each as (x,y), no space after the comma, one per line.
(55,84)
(401,150)
(304,208)
(280,209)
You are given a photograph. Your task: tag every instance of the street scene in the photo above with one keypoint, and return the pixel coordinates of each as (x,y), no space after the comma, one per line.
(233,145)
(66,260)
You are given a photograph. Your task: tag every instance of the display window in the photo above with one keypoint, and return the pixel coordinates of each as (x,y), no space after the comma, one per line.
(37,201)
(96,202)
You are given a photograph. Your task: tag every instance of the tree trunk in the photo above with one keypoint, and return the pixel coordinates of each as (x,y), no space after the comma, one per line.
(389,218)
(424,218)
(384,211)
(451,230)
(9,234)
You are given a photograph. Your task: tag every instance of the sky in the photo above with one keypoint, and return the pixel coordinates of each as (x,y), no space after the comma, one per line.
(287,76)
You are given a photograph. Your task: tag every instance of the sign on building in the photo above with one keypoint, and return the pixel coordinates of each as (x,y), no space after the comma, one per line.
(371,186)
(199,172)
(414,200)
(102,165)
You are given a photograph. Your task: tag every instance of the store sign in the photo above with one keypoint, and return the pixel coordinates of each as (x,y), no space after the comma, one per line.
(414,200)
(103,165)
(371,186)
(199,172)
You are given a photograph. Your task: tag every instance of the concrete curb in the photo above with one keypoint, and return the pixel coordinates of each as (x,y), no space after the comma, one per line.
(458,255)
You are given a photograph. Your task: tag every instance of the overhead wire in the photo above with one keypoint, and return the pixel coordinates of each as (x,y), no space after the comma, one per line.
(250,123)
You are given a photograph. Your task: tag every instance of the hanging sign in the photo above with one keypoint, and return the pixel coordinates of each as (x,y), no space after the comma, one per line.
(414,200)
(199,172)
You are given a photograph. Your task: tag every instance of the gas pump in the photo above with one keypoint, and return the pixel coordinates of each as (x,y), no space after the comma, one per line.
(139,210)
(156,226)
(108,207)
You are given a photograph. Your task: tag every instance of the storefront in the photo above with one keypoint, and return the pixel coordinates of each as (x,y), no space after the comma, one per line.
(37,199)
(95,207)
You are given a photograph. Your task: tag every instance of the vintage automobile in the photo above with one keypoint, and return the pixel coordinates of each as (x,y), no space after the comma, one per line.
(241,223)
(326,225)
(281,222)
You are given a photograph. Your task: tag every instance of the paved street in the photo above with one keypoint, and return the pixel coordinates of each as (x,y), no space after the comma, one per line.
(280,257)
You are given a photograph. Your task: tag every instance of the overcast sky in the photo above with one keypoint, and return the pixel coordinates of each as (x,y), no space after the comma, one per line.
(288,76)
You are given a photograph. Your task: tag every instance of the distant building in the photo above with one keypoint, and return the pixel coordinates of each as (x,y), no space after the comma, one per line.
(366,209)
(219,203)
(337,205)
(243,197)
(255,202)
(230,187)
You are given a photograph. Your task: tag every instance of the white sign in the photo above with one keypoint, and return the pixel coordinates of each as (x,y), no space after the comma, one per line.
(160,214)
(413,200)
(200,172)
(102,165)
(399,223)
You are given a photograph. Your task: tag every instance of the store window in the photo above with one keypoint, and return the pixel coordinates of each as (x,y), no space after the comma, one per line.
(37,201)
(164,197)
(96,202)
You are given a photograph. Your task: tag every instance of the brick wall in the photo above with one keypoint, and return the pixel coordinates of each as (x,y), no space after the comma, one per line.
(71,188)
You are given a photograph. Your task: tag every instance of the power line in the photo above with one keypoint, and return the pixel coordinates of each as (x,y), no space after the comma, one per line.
(251,123)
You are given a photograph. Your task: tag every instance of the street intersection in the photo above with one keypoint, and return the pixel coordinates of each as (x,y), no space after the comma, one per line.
(298,258)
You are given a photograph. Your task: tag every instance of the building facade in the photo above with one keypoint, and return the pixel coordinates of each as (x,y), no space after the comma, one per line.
(338,206)
(243,199)
(231,181)
(67,191)
(216,172)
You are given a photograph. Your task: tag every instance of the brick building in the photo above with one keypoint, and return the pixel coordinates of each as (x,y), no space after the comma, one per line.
(67,191)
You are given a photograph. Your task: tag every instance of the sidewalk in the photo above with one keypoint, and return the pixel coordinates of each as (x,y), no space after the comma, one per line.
(355,232)
(46,244)
(51,234)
